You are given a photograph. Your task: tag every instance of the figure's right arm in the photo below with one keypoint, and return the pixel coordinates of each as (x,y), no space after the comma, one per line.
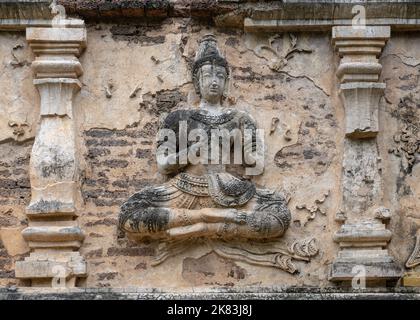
(168,162)
(168,159)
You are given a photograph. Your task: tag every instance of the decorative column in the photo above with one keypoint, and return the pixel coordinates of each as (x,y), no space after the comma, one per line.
(363,238)
(53,233)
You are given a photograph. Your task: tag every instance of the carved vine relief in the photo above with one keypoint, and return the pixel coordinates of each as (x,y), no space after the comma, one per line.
(407,144)
(407,147)
(283,56)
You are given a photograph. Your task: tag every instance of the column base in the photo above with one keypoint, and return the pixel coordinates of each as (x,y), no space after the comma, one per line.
(52,269)
(363,254)
(372,272)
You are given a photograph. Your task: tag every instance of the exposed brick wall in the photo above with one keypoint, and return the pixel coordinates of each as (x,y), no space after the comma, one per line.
(14,177)
(110,151)
(111,154)
(106,9)
(6,266)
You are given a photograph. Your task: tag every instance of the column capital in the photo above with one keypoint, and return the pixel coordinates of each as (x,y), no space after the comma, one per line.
(57,50)
(359,71)
(57,40)
(359,50)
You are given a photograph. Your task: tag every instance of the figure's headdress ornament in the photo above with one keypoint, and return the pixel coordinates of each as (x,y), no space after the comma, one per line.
(207,53)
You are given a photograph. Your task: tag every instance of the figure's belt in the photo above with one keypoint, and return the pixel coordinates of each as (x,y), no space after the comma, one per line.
(224,188)
(192,184)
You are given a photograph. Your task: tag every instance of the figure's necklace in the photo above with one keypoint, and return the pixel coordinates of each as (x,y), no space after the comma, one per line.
(211,119)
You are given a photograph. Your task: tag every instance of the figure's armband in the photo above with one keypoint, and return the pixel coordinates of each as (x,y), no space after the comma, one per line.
(166,147)
(253,146)
(168,159)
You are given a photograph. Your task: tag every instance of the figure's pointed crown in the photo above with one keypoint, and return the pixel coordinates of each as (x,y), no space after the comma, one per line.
(207,53)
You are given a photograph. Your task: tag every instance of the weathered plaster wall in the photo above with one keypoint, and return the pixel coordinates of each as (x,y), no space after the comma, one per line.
(18,114)
(135,73)
(401,107)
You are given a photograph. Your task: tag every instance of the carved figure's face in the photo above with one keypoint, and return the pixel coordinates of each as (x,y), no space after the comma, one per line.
(212,82)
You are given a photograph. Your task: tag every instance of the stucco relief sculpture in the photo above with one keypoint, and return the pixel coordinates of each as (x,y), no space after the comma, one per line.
(203,200)
(407,147)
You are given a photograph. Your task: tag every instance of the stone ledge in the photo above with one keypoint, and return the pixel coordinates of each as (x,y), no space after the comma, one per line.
(28,9)
(270,16)
(16,15)
(263,293)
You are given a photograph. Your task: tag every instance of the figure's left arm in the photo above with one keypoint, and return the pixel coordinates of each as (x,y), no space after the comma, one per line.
(253,145)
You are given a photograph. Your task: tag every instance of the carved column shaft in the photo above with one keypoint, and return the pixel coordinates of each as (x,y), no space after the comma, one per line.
(53,233)
(363,238)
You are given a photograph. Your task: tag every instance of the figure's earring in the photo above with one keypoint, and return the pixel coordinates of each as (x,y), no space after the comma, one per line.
(196,82)
(227,88)
(195,95)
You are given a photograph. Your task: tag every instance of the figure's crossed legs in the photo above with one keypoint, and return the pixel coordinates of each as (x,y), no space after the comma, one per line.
(175,220)
(211,222)
(180,223)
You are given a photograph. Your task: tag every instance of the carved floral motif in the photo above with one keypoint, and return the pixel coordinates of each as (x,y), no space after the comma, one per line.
(407,144)
(270,254)
(283,56)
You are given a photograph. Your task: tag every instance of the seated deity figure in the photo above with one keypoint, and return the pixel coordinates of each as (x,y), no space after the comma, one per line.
(202,199)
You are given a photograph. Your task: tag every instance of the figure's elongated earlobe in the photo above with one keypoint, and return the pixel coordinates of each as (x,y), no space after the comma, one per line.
(226,90)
